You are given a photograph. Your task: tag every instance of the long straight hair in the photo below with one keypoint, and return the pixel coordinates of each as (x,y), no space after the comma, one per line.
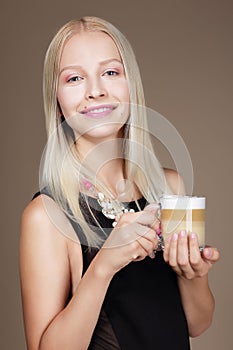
(61,169)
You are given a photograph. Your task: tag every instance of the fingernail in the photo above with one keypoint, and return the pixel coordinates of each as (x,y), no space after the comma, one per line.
(208,253)
(193,235)
(152,255)
(183,233)
(174,237)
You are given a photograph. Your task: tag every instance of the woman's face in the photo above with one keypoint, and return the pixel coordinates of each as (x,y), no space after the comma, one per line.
(93,92)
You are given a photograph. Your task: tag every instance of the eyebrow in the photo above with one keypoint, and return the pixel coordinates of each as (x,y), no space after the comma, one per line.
(102,63)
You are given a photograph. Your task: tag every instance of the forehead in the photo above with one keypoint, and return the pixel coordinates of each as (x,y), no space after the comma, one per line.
(89,47)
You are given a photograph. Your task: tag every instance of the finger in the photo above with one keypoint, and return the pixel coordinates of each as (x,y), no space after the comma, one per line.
(130,218)
(154,208)
(166,249)
(148,218)
(194,250)
(145,218)
(148,245)
(152,255)
(211,254)
(173,250)
(145,231)
(139,253)
(183,255)
(182,249)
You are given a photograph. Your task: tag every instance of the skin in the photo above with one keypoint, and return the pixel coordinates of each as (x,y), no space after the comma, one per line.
(183,255)
(88,80)
(51,264)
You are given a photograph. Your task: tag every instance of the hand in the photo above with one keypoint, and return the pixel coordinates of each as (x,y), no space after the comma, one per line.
(183,255)
(132,239)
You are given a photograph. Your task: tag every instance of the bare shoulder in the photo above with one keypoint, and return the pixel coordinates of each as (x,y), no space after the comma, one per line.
(38,224)
(43,215)
(35,212)
(47,233)
(174,181)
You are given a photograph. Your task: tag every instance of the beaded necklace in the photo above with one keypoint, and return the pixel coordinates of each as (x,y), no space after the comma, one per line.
(112,209)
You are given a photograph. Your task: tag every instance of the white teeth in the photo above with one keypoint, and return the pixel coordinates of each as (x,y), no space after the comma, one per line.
(100,110)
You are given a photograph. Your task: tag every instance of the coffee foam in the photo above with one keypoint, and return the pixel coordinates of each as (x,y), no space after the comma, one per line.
(182,202)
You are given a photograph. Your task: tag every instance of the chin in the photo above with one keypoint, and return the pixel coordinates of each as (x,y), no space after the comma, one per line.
(104,132)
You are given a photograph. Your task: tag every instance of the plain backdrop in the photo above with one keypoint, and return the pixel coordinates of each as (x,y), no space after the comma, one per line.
(185,52)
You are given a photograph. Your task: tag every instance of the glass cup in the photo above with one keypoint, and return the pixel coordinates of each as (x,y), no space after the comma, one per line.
(183,213)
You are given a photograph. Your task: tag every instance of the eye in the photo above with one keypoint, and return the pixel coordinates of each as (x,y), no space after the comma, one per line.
(111,73)
(74,79)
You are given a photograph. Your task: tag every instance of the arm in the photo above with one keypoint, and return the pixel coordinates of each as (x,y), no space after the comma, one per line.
(47,268)
(182,253)
(45,280)
(192,267)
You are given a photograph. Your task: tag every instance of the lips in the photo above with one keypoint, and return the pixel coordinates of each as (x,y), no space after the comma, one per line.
(98,111)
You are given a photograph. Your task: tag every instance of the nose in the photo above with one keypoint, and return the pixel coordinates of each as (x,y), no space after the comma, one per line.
(95,90)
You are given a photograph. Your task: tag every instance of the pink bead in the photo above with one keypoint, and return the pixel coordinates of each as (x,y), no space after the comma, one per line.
(87,184)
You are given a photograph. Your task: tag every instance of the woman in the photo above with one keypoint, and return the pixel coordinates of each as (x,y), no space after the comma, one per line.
(110,291)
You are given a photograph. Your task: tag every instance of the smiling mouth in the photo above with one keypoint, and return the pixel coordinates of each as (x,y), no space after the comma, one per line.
(98,111)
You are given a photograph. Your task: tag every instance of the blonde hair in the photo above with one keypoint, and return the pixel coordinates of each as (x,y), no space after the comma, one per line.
(61,164)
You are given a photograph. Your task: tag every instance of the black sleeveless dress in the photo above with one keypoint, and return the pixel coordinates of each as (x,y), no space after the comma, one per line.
(142,309)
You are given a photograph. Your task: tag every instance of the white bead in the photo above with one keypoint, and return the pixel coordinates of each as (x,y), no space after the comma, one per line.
(101,196)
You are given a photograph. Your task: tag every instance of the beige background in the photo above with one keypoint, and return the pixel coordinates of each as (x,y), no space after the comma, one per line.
(184,48)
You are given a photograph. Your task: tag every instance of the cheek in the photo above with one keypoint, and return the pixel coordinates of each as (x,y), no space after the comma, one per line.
(68,100)
(63,101)
(120,90)
(124,92)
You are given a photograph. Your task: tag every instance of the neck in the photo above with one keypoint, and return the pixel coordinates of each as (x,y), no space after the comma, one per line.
(105,160)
